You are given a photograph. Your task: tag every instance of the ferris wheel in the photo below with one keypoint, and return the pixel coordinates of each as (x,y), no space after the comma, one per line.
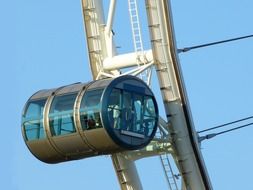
(178,131)
(118,107)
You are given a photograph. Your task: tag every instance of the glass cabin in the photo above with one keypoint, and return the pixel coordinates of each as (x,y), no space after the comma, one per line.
(83,120)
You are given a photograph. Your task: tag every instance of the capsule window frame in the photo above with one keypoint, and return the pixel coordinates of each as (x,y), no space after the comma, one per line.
(62,114)
(94,121)
(41,133)
(129,130)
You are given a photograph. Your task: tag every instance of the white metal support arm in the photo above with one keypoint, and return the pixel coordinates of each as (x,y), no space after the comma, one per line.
(185,143)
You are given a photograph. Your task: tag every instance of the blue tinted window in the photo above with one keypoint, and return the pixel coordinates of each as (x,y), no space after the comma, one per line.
(149,115)
(131,113)
(33,120)
(90,109)
(61,120)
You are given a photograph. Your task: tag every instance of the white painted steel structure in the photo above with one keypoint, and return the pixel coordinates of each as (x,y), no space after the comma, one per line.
(178,135)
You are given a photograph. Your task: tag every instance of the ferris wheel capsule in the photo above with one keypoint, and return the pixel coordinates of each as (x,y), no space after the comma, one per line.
(84,120)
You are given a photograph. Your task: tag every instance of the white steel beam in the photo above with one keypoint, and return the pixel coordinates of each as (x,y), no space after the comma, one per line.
(94,26)
(126,172)
(155,148)
(111,51)
(98,36)
(128,60)
(110,17)
(184,139)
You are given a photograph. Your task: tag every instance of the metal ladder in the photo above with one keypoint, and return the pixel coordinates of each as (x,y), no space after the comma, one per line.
(137,38)
(135,25)
(168,172)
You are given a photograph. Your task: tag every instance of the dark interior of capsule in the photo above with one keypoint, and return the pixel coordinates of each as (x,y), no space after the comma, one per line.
(90,110)
(131,113)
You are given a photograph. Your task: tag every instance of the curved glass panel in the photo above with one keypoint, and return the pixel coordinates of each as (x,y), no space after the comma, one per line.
(90,110)
(61,120)
(33,120)
(115,108)
(132,113)
(149,115)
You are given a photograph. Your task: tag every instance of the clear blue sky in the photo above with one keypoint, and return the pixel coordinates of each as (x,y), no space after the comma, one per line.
(43,45)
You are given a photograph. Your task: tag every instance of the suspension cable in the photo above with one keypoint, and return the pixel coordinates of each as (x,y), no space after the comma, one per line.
(223,125)
(233,129)
(211,135)
(186,49)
